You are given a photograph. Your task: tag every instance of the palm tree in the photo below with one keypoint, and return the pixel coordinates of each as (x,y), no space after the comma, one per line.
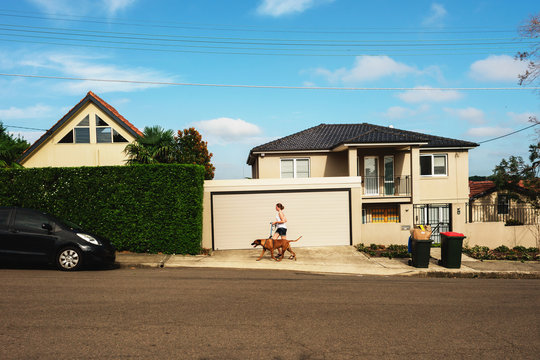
(155,146)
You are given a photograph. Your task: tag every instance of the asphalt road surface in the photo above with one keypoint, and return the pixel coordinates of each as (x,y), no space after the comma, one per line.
(246,314)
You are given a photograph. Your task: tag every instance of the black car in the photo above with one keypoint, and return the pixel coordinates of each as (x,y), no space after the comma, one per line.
(32,236)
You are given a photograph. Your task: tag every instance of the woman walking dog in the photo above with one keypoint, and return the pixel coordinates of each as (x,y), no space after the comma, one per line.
(281,224)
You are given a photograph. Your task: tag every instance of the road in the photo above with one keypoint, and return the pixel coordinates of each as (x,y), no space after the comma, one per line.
(246,314)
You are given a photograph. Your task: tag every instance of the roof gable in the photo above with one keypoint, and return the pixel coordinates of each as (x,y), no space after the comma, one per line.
(89,98)
(330,136)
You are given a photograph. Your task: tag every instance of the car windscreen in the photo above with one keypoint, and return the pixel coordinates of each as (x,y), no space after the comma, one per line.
(67,223)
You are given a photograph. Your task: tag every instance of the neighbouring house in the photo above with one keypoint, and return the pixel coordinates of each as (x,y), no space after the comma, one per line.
(92,133)
(496,217)
(487,204)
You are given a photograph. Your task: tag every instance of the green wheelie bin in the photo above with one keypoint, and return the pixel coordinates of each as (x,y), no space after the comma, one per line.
(420,253)
(451,247)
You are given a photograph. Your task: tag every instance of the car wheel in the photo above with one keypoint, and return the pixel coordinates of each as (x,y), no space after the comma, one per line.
(69,259)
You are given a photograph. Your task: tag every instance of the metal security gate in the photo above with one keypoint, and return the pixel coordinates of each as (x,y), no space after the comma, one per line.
(436,215)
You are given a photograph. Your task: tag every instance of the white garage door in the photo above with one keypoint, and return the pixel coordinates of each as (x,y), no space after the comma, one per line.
(322,218)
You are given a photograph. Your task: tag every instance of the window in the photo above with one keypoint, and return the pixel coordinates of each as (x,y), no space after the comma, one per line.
(103,131)
(294,168)
(380,214)
(433,165)
(82,131)
(29,222)
(4,216)
(503,202)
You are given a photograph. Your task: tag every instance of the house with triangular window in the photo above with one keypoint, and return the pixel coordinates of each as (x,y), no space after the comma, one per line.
(92,133)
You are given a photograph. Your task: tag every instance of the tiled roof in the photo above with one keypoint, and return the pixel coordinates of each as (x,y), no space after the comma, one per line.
(330,136)
(479,188)
(102,104)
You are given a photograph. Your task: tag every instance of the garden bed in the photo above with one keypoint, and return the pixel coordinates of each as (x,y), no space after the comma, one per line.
(390,251)
(518,253)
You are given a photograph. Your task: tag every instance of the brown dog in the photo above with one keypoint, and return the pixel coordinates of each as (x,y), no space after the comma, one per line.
(274,244)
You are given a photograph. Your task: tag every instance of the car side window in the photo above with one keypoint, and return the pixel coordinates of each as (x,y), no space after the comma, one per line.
(30,222)
(4,217)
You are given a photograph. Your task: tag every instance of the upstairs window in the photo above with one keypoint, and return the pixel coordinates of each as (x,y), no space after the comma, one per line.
(294,168)
(433,165)
(81,133)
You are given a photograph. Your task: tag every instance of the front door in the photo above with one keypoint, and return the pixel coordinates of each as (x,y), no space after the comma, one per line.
(371,175)
(436,215)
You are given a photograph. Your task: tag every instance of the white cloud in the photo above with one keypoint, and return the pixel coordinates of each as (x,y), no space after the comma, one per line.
(31,112)
(113,6)
(30,136)
(278,8)
(470,114)
(437,13)
(226,130)
(497,68)
(488,131)
(87,68)
(367,68)
(428,94)
(521,118)
(399,112)
(82,7)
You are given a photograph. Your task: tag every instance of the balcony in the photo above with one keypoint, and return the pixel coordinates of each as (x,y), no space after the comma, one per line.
(386,186)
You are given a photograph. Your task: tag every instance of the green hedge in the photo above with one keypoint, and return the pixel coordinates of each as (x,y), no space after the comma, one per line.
(140,208)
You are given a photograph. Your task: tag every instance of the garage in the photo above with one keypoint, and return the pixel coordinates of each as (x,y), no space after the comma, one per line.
(321,216)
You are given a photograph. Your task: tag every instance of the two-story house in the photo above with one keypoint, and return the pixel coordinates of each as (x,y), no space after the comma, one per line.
(408,178)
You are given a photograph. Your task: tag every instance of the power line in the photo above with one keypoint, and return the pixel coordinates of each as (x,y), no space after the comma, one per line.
(502,136)
(451,52)
(371,43)
(22,127)
(167,37)
(147,24)
(163,83)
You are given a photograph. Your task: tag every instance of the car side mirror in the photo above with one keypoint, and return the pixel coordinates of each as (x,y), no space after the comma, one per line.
(47,227)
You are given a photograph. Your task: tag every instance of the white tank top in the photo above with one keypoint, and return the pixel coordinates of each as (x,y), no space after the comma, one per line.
(284,225)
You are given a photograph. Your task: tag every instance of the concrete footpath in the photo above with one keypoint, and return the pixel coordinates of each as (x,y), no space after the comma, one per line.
(334,260)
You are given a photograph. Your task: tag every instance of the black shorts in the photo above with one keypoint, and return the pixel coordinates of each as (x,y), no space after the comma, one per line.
(281,231)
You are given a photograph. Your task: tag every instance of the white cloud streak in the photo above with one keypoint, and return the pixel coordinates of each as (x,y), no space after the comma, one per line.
(436,14)
(277,8)
(225,130)
(495,131)
(88,67)
(82,7)
(470,114)
(400,112)
(522,118)
(428,94)
(31,112)
(367,68)
(502,68)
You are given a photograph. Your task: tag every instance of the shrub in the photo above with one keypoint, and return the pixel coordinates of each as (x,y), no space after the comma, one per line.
(141,208)
(502,248)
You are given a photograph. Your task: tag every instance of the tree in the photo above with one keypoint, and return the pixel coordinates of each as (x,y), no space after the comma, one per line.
(191,149)
(531,30)
(156,146)
(11,148)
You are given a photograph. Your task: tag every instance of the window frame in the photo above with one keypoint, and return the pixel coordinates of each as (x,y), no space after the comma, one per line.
(295,174)
(432,157)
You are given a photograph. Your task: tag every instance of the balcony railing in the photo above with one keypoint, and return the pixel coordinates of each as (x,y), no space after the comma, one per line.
(384,186)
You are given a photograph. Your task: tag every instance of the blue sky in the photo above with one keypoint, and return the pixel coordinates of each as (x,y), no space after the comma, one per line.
(412,45)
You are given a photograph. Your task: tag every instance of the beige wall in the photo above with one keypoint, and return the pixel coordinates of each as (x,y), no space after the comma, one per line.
(53,154)
(266,187)
(453,188)
(494,234)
